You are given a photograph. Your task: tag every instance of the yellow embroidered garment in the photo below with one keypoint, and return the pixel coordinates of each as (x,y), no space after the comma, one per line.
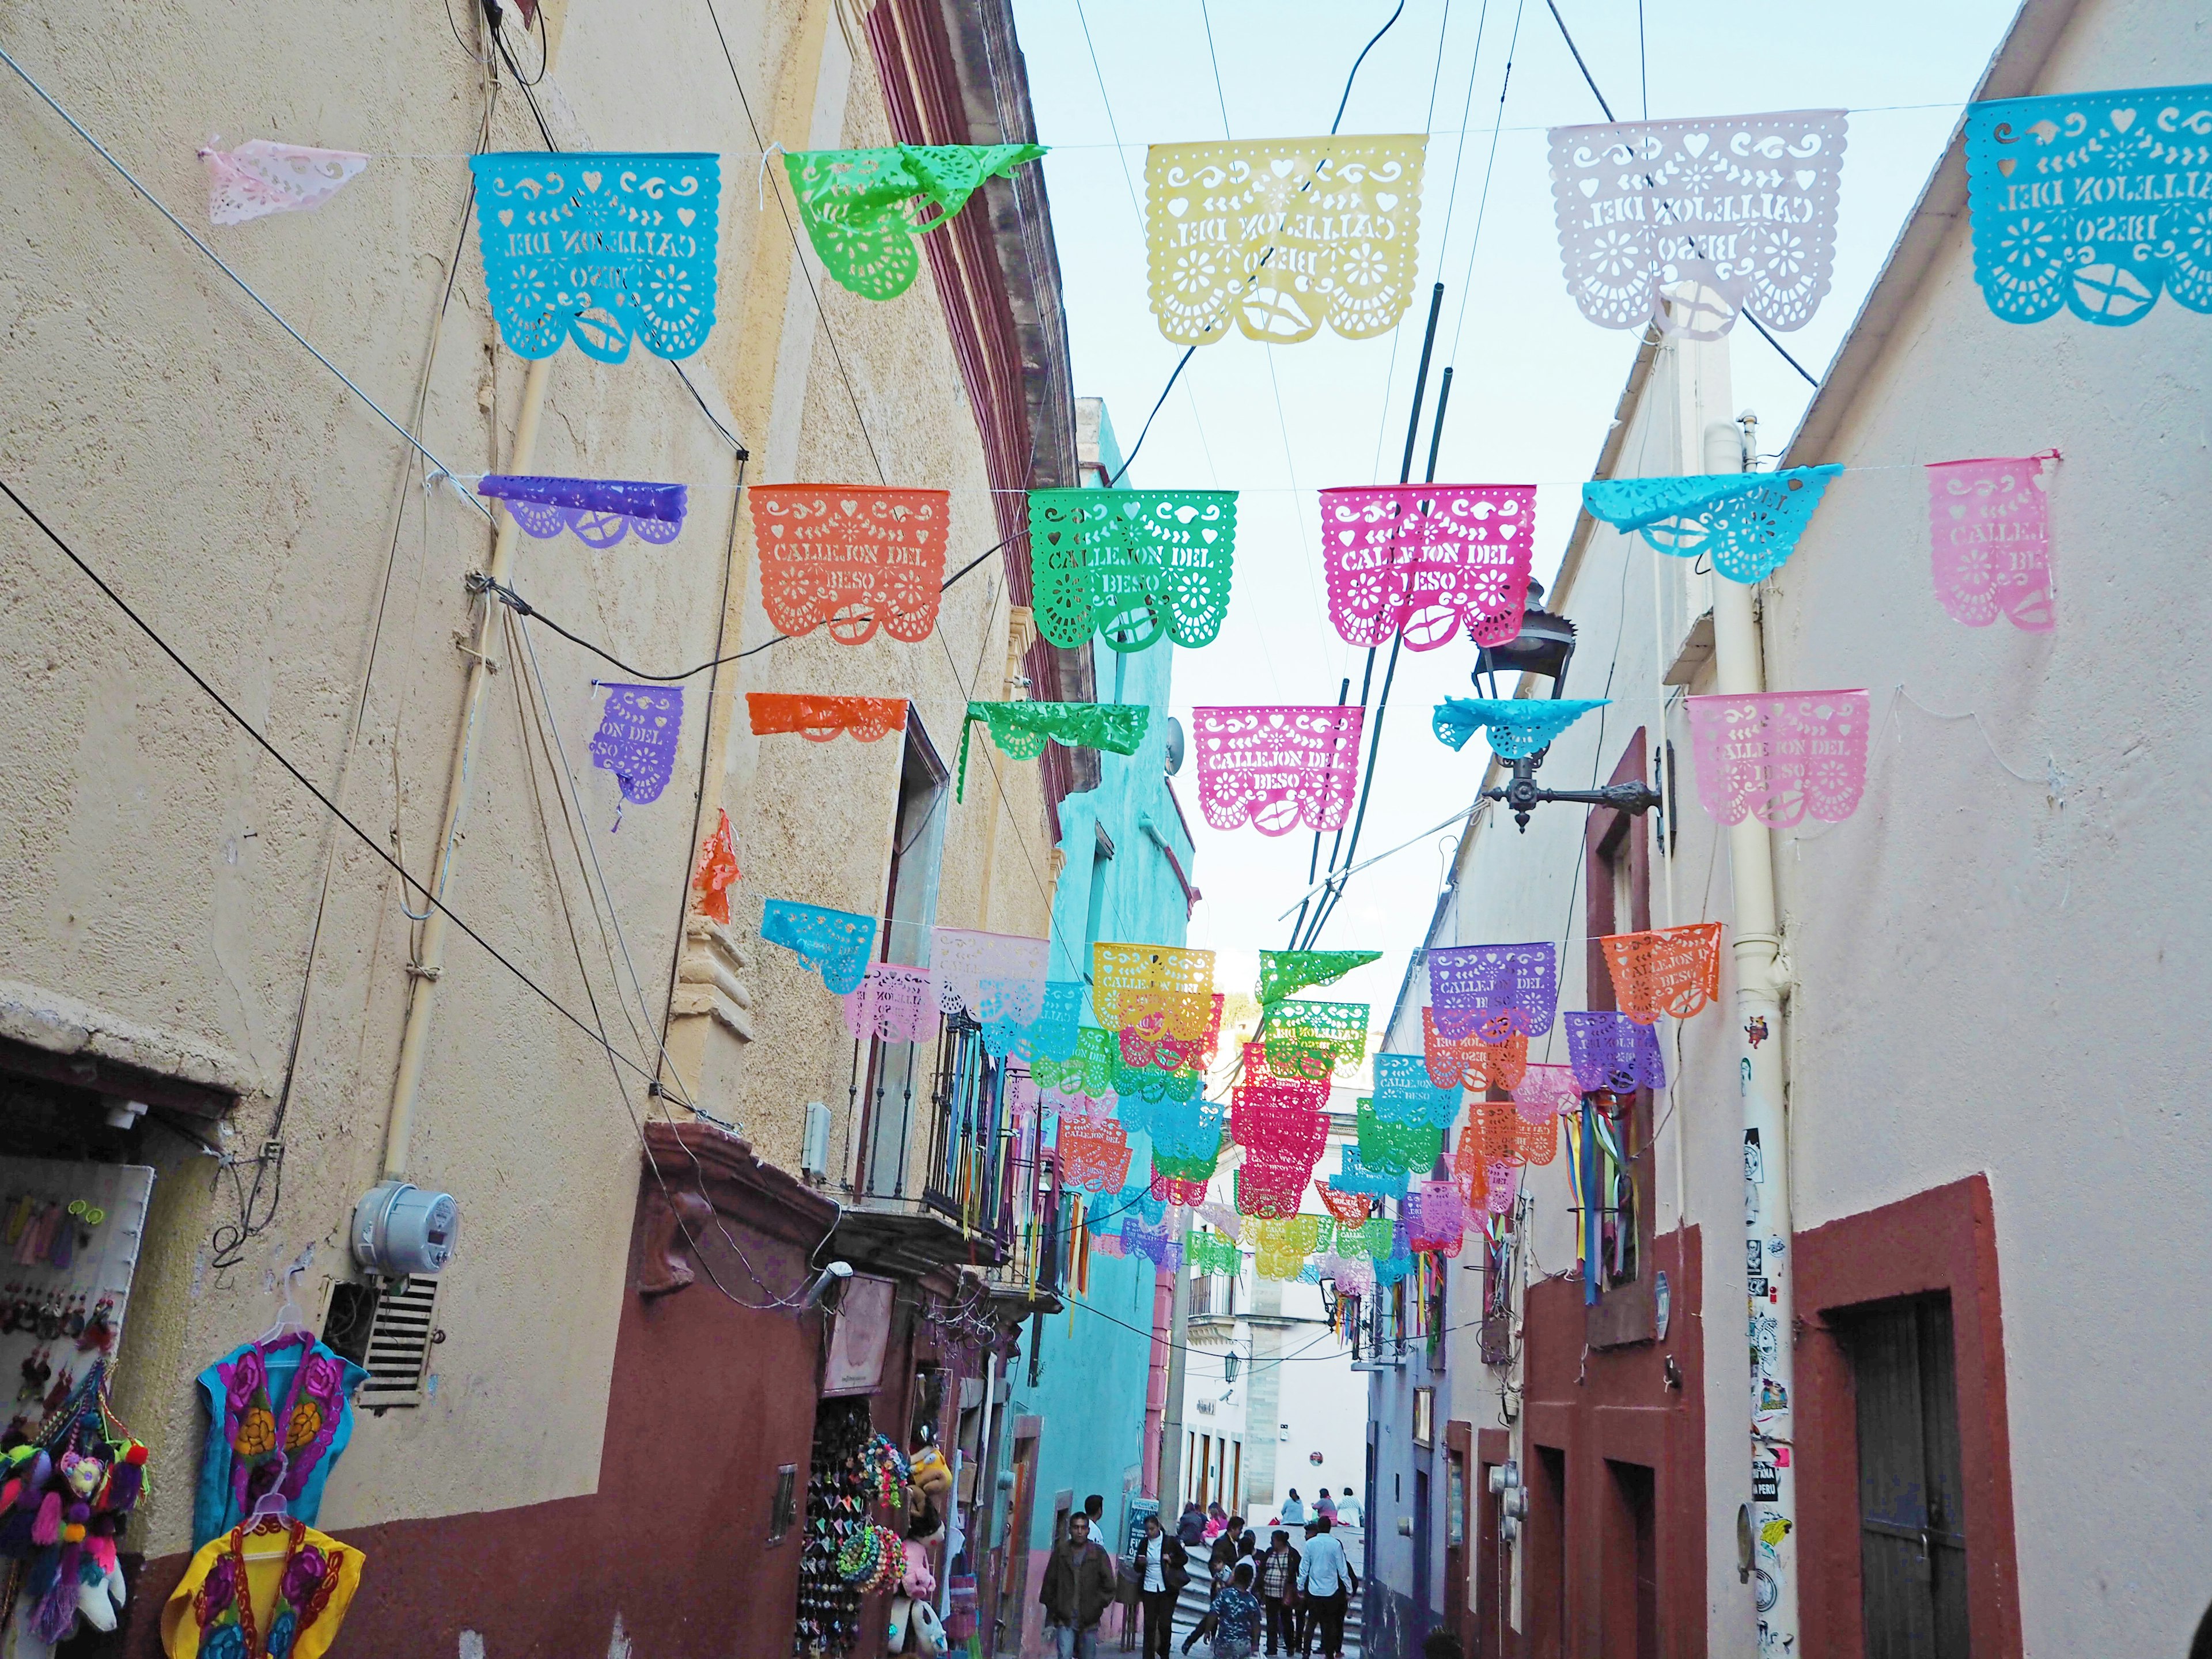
(297,1584)
(1281,235)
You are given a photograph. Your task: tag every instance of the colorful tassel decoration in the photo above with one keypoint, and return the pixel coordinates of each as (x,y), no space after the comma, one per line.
(47,1528)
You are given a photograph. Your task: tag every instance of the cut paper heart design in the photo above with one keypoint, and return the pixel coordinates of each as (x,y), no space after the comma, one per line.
(966,961)
(1133,566)
(1087,1070)
(1468,1062)
(1518,726)
(1022,729)
(1367,1241)
(1500,1187)
(1349,1209)
(1400,1148)
(1777,757)
(1280,1123)
(819,720)
(1210,1253)
(1421,560)
(1988,537)
(1094,1155)
(897,1003)
(837,944)
(1746,524)
(600,248)
(716,870)
(855,557)
(1670,971)
(1404,1092)
(1277,769)
(1741,209)
(1436,1218)
(1167,1189)
(1150,1045)
(2090,201)
(863,207)
(1544,1091)
(1355,1174)
(601,511)
(1278,236)
(1132,983)
(1282,973)
(1053,1035)
(637,737)
(1311,1040)
(1611,1051)
(261,177)
(1494,990)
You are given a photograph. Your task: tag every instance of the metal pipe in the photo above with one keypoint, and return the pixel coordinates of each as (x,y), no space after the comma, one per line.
(429,964)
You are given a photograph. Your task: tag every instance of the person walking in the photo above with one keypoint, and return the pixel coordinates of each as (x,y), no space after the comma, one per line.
(1160,1567)
(1078,1588)
(1326,1581)
(1191,1529)
(1221,1563)
(1278,1587)
(1294,1511)
(1237,1616)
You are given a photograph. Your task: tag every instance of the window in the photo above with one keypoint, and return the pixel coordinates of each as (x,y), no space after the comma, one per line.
(894,1072)
(1425,1416)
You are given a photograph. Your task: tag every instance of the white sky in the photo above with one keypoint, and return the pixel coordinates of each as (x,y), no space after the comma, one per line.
(1534,384)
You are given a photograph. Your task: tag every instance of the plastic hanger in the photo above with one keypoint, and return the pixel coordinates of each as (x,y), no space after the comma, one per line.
(270,1506)
(290,1320)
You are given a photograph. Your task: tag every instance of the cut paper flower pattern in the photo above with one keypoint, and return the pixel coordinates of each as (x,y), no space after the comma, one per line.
(1494,990)
(1279,235)
(1436,1218)
(1169,1189)
(261,177)
(1396,1148)
(600,248)
(1743,208)
(1022,729)
(855,556)
(1989,538)
(1422,560)
(895,1003)
(837,944)
(1284,973)
(1611,1051)
(1003,972)
(1133,566)
(1053,1034)
(1544,1091)
(1355,1174)
(1094,1154)
(601,511)
(819,720)
(1518,726)
(1311,1040)
(1775,756)
(863,207)
(1087,1070)
(1670,971)
(1150,1044)
(637,737)
(1132,983)
(1468,1062)
(1746,523)
(1349,1209)
(2042,174)
(1404,1092)
(716,870)
(1277,769)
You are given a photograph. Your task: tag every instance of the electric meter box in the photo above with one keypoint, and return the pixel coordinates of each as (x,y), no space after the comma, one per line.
(401,1232)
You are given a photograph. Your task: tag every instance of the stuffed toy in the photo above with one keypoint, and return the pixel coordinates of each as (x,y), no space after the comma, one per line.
(917,1580)
(932,1472)
(928,1629)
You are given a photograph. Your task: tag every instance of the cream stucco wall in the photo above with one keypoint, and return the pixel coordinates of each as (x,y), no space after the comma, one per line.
(165,872)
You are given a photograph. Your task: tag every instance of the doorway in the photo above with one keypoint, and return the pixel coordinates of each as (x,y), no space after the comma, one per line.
(1913,1524)
(1545,1532)
(1423,1537)
(1631,1610)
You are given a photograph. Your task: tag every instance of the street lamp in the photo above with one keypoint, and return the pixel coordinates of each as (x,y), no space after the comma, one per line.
(1544,645)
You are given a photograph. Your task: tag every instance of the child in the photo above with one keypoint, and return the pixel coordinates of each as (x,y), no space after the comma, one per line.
(1237,1617)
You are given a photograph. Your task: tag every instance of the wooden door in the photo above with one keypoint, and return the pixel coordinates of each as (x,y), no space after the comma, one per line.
(1913,1524)
(1014,1591)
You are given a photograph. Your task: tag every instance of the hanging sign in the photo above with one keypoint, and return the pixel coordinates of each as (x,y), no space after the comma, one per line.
(1277,769)
(896,1003)
(837,944)
(1468,1062)
(1672,970)
(1094,1154)
(1494,990)
(819,720)
(1282,973)
(1311,1040)
(863,207)
(1420,560)
(1746,524)
(1279,235)
(1775,757)
(1132,983)
(2093,201)
(852,556)
(600,248)
(1436,1218)
(716,870)
(1133,566)
(1400,1148)
(1404,1092)
(1739,208)
(1022,729)
(601,511)
(261,177)
(1611,1051)
(637,737)
(1518,726)
(1988,535)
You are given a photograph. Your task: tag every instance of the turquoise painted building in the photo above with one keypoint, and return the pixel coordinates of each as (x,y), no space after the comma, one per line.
(1079,1428)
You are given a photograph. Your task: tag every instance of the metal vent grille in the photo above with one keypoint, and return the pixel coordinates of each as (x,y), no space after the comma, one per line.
(400,1335)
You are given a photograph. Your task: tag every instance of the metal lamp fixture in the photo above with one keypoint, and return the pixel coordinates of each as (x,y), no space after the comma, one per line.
(1544,645)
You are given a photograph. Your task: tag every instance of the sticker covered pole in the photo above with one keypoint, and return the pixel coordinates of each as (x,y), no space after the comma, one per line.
(1771,1534)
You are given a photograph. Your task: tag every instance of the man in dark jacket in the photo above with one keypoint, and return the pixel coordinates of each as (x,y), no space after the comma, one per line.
(1078,1587)
(1277,1587)
(1160,1566)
